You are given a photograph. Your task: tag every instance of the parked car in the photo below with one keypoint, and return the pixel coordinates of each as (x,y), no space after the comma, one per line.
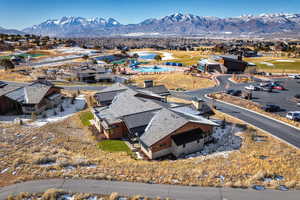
(294,115)
(266,89)
(91,81)
(278,87)
(297,96)
(271,108)
(265,84)
(252,87)
(294,76)
(234,92)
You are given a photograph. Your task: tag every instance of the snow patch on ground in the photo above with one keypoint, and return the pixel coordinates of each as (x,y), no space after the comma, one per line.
(285,60)
(167,56)
(75,50)
(227,141)
(69,110)
(267,63)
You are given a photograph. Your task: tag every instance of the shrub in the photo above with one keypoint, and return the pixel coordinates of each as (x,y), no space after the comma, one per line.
(44,160)
(52,194)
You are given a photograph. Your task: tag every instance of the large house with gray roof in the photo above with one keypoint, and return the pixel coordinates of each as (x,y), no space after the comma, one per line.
(160,127)
(27,99)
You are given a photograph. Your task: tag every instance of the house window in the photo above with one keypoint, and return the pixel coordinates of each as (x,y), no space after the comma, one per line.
(162,145)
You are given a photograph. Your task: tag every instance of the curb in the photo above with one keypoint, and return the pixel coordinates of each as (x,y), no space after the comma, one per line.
(256,113)
(260,115)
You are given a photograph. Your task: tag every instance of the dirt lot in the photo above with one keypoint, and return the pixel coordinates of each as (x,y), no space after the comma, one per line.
(175,80)
(67,149)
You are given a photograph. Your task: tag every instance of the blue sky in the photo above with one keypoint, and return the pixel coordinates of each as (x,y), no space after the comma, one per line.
(23,13)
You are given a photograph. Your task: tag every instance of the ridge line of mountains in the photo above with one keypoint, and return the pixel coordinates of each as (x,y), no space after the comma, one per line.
(176,24)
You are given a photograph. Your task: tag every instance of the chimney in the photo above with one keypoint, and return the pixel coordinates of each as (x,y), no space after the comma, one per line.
(198,103)
(148,83)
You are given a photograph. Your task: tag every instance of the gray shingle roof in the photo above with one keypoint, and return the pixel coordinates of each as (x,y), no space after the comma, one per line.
(106,96)
(35,93)
(159,89)
(166,122)
(29,94)
(17,95)
(114,87)
(161,125)
(8,88)
(139,119)
(126,104)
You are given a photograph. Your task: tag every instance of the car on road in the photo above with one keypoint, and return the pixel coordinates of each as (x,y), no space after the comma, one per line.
(229,91)
(278,87)
(293,115)
(266,89)
(265,84)
(270,108)
(252,87)
(294,76)
(234,92)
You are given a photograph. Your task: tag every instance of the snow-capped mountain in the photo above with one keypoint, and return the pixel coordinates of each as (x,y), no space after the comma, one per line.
(175,24)
(72,26)
(10,31)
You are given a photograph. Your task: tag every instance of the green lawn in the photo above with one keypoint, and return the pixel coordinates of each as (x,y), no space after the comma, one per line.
(288,66)
(85,118)
(114,146)
(278,66)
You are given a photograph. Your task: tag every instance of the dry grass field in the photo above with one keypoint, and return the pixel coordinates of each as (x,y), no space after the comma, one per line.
(276,64)
(52,194)
(67,149)
(14,76)
(175,80)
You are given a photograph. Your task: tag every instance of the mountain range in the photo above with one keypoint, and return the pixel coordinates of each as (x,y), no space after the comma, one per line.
(11,31)
(175,24)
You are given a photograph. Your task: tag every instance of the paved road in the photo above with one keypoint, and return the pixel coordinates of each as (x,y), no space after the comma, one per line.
(149,190)
(83,87)
(283,132)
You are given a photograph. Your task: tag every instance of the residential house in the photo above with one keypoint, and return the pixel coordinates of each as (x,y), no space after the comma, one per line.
(161,128)
(32,98)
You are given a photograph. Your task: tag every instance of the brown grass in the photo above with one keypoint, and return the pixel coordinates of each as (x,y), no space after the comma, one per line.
(175,80)
(14,76)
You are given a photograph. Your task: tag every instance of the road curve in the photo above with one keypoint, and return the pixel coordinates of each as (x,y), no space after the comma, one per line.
(284,132)
(149,190)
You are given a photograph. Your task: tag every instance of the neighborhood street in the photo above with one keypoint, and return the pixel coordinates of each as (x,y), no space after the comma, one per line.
(282,131)
(149,190)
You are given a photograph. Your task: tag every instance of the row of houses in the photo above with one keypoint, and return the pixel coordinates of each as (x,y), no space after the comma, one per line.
(27,99)
(87,74)
(144,115)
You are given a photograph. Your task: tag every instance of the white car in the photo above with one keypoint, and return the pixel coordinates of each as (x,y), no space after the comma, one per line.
(298,104)
(294,76)
(251,87)
(294,115)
